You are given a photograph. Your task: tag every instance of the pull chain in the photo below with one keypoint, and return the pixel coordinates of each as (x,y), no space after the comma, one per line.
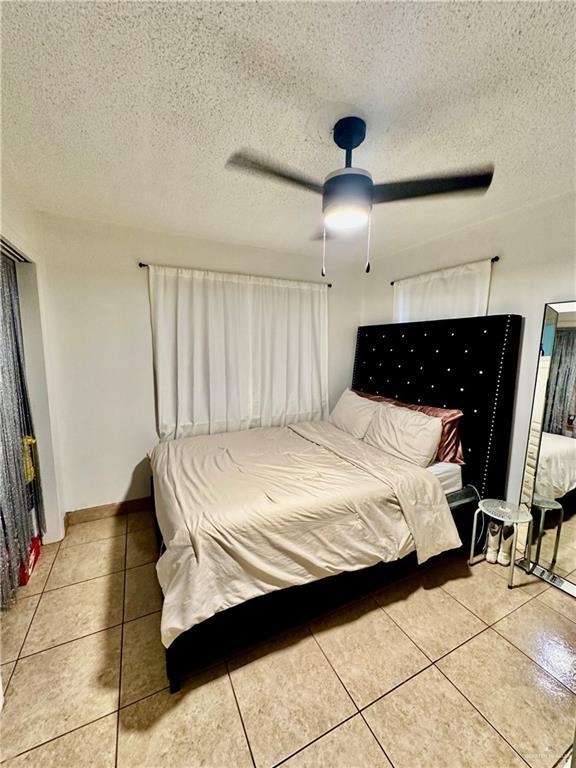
(368,244)
(324,252)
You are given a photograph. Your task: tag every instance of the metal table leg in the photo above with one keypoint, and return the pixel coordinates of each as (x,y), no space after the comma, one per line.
(513,557)
(528,549)
(472,543)
(558,531)
(540,534)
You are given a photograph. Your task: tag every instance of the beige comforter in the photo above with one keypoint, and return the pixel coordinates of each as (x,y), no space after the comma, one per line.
(246,513)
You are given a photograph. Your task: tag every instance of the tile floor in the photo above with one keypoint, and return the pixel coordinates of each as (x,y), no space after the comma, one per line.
(445,668)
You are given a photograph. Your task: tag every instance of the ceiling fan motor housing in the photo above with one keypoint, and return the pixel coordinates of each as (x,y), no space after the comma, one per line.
(347,186)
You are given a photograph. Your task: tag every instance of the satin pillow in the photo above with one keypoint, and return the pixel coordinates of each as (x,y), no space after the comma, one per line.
(450,448)
(405,434)
(353,414)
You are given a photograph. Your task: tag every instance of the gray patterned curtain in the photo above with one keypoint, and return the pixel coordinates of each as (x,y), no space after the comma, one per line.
(561,401)
(20,502)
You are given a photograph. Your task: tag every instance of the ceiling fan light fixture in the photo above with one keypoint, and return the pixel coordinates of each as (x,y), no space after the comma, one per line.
(342,217)
(347,199)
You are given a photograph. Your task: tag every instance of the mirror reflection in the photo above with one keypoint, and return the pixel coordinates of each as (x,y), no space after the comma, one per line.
(549,486)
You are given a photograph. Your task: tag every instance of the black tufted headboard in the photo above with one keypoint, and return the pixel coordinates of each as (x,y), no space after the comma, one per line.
(469,363)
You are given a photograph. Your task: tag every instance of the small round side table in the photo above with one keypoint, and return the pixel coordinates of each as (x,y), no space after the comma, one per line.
(544,505)
(504,512)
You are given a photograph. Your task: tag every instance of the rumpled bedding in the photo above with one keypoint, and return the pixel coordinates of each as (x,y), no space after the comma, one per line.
(246,513)
(556,473)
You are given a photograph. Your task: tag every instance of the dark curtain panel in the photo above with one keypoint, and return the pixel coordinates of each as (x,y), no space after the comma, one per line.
(20,503)
(561,401)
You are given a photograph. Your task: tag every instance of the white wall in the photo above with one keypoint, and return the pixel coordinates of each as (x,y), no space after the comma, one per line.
(537,249)
(102,359)
(20,224)
(96,326)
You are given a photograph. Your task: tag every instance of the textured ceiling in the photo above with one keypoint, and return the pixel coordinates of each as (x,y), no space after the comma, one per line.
(126,112)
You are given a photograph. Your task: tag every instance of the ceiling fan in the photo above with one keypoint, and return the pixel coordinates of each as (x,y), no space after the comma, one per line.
(349,193)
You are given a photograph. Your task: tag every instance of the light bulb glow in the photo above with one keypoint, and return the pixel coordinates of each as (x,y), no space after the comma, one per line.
(346,217)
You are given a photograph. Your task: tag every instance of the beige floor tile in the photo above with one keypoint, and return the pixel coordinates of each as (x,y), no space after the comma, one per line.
(88,561)
(428,722)
(143,593)
(137,521)
(566,557)
(530,584)
(143,659)
(430,616)
(40,573)
(72,612)
(530,708)
(92,745)
(370,654)
(546,636)
(480,590)
(142,548)
(61,689)
(288,695)
(14,624)
(199,726)
(351,745)
(560,601)
(6,673)
(96,530)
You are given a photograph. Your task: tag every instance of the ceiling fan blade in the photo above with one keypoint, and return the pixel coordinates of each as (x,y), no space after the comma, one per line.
(253,163)
(479,179)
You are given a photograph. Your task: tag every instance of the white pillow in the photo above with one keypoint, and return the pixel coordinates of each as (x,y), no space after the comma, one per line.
(405,434)
(353,413)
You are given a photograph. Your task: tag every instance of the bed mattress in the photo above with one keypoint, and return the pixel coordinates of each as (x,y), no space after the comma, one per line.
(449,475)
(243,514)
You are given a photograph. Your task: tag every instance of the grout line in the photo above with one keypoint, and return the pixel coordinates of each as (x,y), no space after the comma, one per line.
(139,565)
(142,698)
(398,685)
(488,623)
(93,541)
(490,725)
(240,713)
(361,709)
(121,656)
(136,618)
(548,672)
(80,637)
(311,633)
(92,578)
(363,716)
(552,608)
(83,581)
(317,738)
(7,682)
(36,608)
(70,640)
(55,738)
(560,763)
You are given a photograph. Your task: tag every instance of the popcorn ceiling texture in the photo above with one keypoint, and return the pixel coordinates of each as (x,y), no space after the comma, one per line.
(127,112)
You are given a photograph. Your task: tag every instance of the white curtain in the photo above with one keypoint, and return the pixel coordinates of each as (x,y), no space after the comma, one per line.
(461,291)
(233,352)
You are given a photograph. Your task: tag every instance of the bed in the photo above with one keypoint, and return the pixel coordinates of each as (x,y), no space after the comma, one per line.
(243,514)
(257,519)
(556,474)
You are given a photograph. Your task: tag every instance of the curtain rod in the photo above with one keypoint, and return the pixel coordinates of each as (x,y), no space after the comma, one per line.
(494,259)
(11,251)
(142,264)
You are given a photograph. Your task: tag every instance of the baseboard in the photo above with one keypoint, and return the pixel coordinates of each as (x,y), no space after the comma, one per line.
(108,510)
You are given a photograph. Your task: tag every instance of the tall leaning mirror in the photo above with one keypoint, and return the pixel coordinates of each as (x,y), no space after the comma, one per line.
(549,484)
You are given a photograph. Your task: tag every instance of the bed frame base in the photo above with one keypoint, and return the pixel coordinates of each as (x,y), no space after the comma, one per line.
(262,618)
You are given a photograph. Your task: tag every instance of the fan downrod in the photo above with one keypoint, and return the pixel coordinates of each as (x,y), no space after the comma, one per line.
(349,133)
